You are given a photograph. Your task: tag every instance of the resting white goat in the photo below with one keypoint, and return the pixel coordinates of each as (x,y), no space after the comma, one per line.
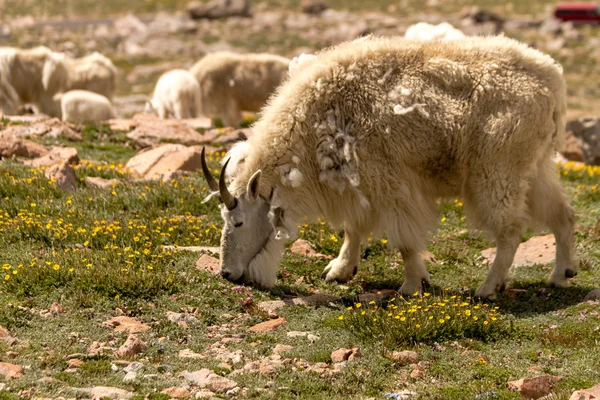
(36,75)
(94,72)
(425,31)
(231,83)
(371,133)
(82,105)
(177,94)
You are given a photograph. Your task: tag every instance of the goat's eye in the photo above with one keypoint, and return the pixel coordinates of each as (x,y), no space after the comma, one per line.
(238,224)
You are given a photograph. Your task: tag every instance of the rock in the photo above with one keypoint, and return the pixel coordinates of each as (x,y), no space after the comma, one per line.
(428,257)
(309,335)
(12,354)
(151,130)
(282,348)
(130,376)
(315,299)
(376,296)
(219,9)
(121,124)
(209,264)
(572,151)
(64,175)
(229,135)
(204,394)
(177,392)
(168,24)
(340,355)
(74,363)
(206,378)
(100,392)
(587,133)
(11,146)
(52,127)
(56,309)
(593,295)
(479,16)
(67,155)
(313,7)
(537,250)
(126,324)
(536,387)
(418,372)
(133,367)
(132,346)
(101,183)
(405,357)
(268,326)
(164,162)
(180,318)
(11,371)
(187,353)
(271,307)
(302,247)
(586,394)
(129,25)
(97,348)
(5,335)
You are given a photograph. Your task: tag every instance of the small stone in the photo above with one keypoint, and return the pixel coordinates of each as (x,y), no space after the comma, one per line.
(302,247)
(204,394)
(271,307)
(224,366)
(11,371)
(177,392)
(592,393)
(100,392)
(405,357)
(64,175)
(101,183)
(268,326)
(187,353)
(514,293)
(132,346)
(75,363)
(56,309)
(209,264)
(12,354)
(130,376)
(133,367)
(282,348)
(536,387)
(342,354)
(593,295)
(537,250)
(418,372)
(126,324)
(5,335)
(56,155)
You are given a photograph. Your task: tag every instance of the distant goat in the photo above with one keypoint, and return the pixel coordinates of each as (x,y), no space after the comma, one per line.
(94,72)
(177,94)
(82,105)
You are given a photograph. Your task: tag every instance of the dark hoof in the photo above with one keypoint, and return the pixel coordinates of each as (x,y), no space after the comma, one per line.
(425,284)
(569,273)
(323,275)
(355,271)
(483,300)
(502,288)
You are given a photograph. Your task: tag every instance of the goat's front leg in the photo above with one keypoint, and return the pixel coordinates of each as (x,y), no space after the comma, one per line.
(416,277)
(344,267)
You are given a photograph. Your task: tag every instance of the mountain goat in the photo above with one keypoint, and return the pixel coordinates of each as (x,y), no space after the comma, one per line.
(371,133)
(82,105)
(231,83)
(425,31)
(176,94)
(9,99)
(94,72)
(36,75)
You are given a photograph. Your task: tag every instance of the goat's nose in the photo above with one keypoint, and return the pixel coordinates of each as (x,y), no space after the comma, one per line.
(225,274)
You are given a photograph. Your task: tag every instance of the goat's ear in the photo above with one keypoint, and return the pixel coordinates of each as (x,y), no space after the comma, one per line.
(253,186)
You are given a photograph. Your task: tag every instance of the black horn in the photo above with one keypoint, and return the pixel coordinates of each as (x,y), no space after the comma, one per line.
(227,198)
(212,183)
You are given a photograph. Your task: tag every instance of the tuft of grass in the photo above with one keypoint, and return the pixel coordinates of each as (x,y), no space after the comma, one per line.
(427,319)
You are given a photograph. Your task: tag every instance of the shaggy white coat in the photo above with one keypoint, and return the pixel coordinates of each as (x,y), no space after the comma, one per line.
(371,133)
(176,95)
(94,72)
(36,75)
(83,105)
(231,83)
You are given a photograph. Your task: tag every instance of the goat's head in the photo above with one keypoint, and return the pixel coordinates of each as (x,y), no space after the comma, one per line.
(250,242)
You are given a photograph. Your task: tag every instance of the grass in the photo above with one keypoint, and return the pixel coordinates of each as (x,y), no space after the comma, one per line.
(99,253)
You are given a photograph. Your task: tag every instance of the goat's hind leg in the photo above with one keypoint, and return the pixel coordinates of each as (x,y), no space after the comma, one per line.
(548,205)
(416,277)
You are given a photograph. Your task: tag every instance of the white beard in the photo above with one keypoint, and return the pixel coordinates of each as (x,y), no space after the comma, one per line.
(262,269)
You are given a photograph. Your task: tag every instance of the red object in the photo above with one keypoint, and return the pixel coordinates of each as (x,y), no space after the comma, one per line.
(578,12)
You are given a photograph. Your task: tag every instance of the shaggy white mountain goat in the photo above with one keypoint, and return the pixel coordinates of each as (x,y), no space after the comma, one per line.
(231,83)
(83,105)
(9,100)
(94,72)
(36,75)
(371,133)
(177,94)
(425,31)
